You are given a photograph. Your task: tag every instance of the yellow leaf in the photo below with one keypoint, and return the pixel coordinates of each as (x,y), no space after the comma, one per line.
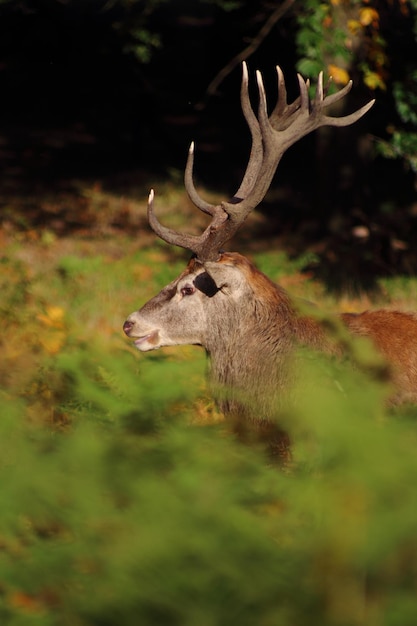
(54,316)
(374,81)
(53,343)
(368,15)
(354,26)
(55,313)
(339,75)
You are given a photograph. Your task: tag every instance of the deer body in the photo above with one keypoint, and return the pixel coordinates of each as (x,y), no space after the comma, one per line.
(394,335)
(251,329)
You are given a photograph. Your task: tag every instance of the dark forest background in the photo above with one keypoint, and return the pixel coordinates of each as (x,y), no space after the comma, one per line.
(115,90)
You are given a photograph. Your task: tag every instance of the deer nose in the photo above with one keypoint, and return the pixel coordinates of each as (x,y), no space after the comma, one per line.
(127,326)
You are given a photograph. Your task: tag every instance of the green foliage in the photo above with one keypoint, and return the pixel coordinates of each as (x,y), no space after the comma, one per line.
(137,31)
(402,145)
(276,264)
(13,285)
(133,26)
(347,36)
(320,39)
(403,140)
(146,518)
(406,98)
(120,506)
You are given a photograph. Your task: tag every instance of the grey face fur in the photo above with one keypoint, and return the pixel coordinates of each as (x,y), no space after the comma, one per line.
(187,309)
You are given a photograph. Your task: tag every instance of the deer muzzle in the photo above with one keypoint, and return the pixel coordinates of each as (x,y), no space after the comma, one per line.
(145,338)
(127,327)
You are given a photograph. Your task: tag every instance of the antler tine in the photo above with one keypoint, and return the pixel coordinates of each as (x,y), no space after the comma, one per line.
(319,89)
(347,120)
(269,162)
(168,235)
(262,108)
(304,99)
(339,95)
(327,86)
(284,112)
(322,101)
(199,245)
(255,158)
(194,196)
(282,104)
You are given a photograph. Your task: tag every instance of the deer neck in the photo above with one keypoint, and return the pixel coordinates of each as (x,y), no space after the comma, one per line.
(248,353)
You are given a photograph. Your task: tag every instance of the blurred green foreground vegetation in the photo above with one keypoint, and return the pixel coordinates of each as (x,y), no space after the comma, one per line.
(126,501)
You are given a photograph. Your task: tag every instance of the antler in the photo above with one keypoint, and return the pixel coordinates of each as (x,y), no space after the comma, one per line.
(271,137)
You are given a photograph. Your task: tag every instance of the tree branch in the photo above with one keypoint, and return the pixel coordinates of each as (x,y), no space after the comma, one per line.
(251,48)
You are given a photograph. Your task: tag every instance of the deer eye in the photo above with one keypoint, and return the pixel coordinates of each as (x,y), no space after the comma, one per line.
(187,290)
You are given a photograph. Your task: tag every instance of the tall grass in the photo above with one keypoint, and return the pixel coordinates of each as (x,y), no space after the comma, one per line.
(123,502)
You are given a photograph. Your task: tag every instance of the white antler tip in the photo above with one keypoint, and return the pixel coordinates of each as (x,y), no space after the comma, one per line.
(302,83)
(191,148)
(260,81)
(245,72)
(151,196)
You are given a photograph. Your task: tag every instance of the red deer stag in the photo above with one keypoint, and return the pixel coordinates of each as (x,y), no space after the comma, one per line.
(248,325)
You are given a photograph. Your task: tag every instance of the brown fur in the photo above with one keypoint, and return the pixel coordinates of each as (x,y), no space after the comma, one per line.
(264,377)
(392,333)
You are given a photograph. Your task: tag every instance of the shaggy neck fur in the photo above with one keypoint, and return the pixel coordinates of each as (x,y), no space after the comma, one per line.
(250,348)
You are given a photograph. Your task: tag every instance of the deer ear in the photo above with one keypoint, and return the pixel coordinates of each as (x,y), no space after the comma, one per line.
(226,276)
(205,283)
